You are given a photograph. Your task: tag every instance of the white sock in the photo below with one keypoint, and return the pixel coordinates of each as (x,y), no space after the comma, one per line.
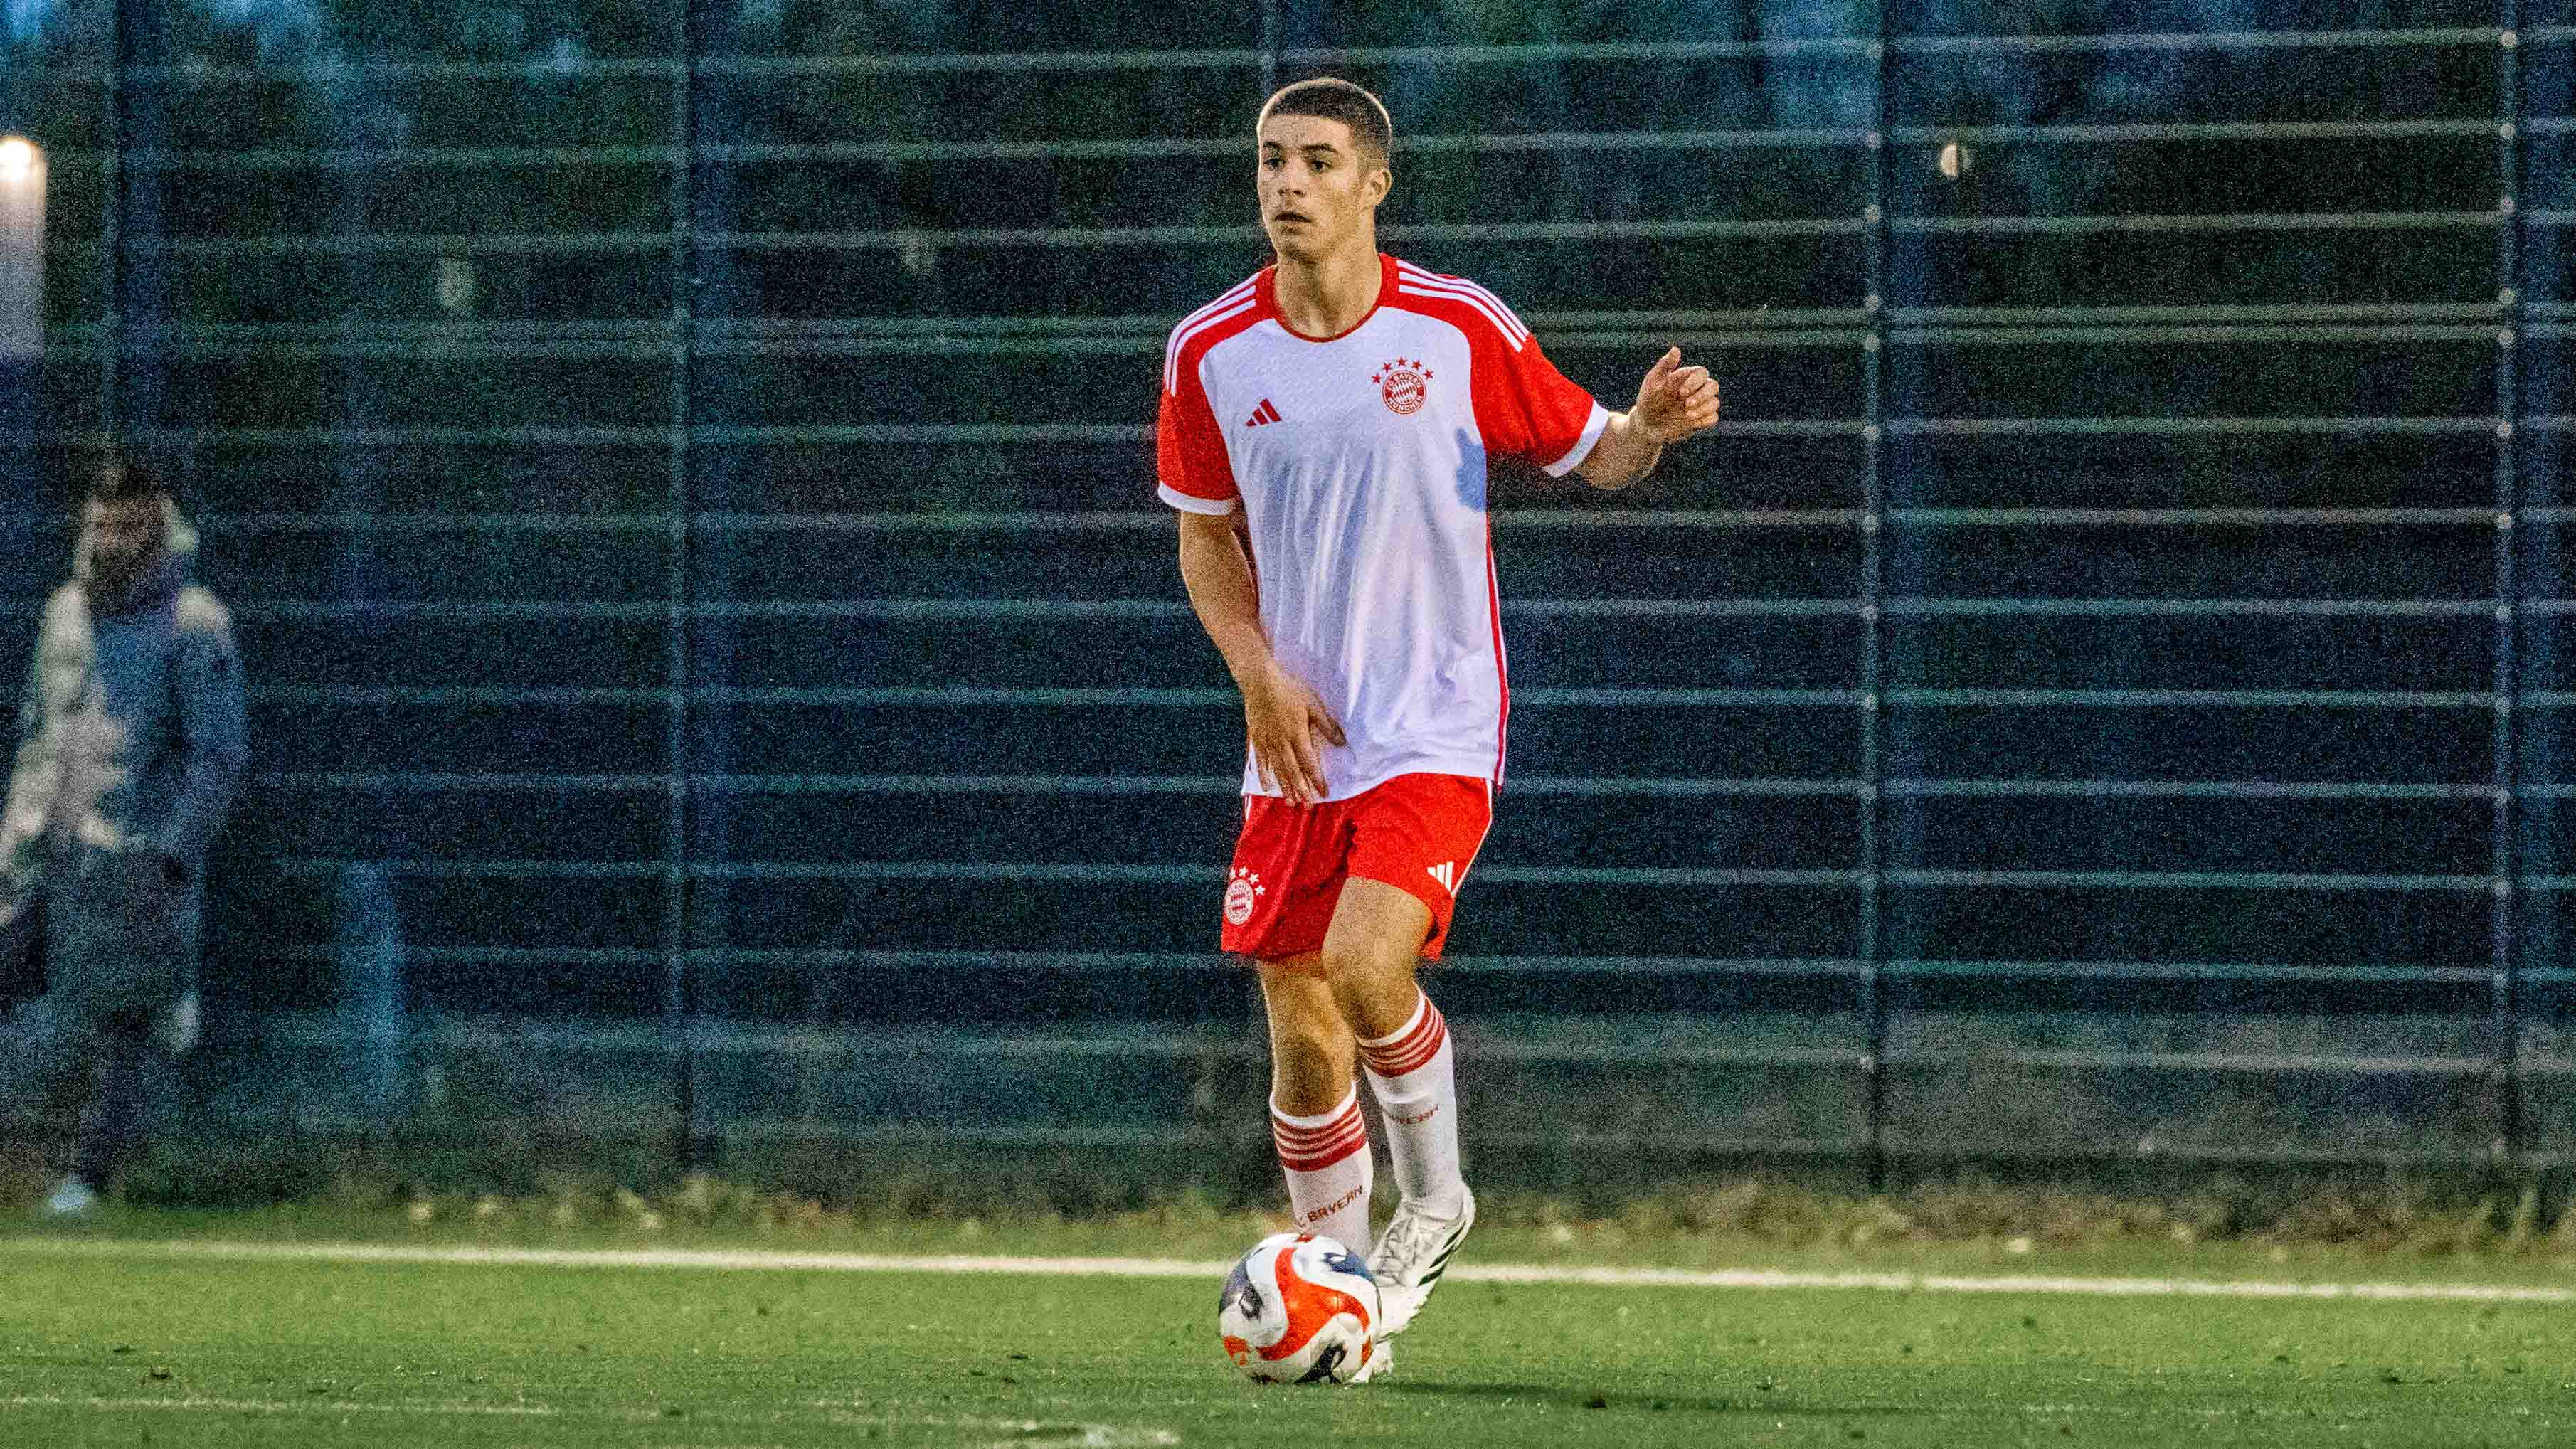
(1328,1165)
(1415,1077)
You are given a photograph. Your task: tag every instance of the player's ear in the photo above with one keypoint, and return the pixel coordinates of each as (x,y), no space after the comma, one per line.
(1380,182)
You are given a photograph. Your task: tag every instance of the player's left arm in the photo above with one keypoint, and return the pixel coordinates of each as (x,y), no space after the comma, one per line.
(1673,403)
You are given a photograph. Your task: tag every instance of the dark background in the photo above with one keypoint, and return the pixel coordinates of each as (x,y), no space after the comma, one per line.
(682,475)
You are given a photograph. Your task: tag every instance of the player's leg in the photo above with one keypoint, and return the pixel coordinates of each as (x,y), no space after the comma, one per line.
(1371,953)
(1402,1039)
(1315,1120)
(1412,843)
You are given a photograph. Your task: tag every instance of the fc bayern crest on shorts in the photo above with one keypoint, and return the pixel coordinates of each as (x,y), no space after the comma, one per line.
(1239,894)
(1405,385)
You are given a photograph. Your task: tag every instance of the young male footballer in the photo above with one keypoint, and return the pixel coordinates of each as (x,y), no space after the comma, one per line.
(1324,435)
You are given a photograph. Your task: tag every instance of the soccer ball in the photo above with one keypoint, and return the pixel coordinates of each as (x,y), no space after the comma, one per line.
(1300,1309)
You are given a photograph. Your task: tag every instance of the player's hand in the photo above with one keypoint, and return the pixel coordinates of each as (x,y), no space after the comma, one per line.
(1285,720)
(1675,402)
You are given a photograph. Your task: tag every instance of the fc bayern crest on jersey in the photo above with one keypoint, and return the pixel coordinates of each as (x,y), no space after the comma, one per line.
(1405,385)
(1239,895)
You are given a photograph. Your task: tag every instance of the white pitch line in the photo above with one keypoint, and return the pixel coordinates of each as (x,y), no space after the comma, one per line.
(1027,1433)
(1736,1278)
(199,1402)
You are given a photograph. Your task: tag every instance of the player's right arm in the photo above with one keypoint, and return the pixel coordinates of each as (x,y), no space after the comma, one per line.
(1283,719)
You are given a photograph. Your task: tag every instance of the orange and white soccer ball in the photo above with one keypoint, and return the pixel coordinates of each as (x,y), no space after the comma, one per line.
(1300,1309)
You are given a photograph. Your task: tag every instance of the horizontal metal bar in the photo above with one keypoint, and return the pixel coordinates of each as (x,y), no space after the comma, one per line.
(1021,961)
(2195,427)
(2166,224)
(2382,972)
(2151,1147)
(1079,238)
(2183,880)
(1148,330)
(429,523)
(1228,785)
(1040,610)
(658,437)
(970,784)
(2182,790)
(1093,238)
(1155,521)
(2356,39)
(1160,520)
(333,867)
(2201,314)
(1018,63)
(2226,334)
(1160,873)
(1053,152)
(382,695)
(2195,698)
(477,244)
(462,611)
(961,697)
(461,781)
(2036,517)
(2246,1063)
(1024,961)
(1521,786)
(1020,872)
(2131,132)
(1954,608)
(956,696)
(469,346)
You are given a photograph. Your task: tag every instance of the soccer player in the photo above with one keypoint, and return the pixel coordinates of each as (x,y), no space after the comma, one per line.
(1324,435)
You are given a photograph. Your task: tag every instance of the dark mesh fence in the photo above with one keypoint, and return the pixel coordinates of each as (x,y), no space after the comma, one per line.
(682,474)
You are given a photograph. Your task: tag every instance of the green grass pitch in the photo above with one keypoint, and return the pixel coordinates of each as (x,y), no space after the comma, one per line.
(121,1348)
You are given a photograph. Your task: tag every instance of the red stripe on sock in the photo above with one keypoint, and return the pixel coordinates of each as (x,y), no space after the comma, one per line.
(1423,1025)
(1414,1049)
(1313,1151)
(1282,1127)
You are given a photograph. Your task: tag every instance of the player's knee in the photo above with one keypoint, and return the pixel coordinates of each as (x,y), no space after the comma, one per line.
(1369,981)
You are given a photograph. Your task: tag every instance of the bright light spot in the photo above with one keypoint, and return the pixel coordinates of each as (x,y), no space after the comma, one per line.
(17,160)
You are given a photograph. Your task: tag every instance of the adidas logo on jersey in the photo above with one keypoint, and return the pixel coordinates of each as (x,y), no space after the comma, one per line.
(1268,412)
(1446,872)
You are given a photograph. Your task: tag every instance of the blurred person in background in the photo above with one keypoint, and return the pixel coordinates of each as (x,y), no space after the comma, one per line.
(130,744)
(1324,435)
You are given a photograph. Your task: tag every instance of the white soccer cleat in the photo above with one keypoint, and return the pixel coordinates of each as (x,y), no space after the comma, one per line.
(71,1200)
(1381,1364)
(1410,1259)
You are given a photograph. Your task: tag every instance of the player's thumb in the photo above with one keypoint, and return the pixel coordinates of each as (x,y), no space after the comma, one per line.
(1671,359)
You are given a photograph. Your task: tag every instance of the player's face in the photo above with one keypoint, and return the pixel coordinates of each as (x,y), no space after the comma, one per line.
(1319,191)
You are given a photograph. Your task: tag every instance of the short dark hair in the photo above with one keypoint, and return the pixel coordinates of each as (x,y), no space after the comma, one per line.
(1336,99)
(122,478)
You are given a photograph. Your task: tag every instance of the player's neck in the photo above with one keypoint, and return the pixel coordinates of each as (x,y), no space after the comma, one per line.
(1329,295)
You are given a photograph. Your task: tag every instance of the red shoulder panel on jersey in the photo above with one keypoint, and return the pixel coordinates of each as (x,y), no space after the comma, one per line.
(1204,328)
(1421,285)
(1190,454)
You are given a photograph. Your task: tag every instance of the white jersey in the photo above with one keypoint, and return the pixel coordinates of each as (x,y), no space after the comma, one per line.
(1359,464)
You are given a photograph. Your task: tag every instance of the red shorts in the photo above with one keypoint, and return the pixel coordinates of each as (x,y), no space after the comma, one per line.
(1417,833)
